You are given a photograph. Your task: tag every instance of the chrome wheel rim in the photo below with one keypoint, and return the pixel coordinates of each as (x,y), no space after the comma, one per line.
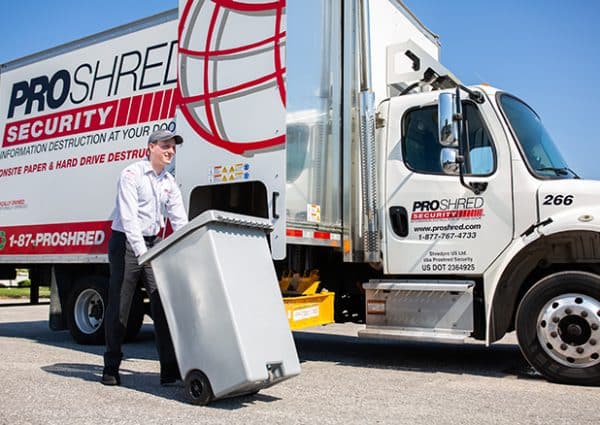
(568,329)
(89,311)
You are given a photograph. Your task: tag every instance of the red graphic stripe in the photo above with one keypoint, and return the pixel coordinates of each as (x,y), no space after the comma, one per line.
(146,105)
(210,134)
(90,118)
(134,110)
(60,238)
(250,7)
(173,103)
(183,19)
(232,146)
(207,104)
(279,69)
(123,111)
(235,89)
(225,52)
(447,214)
(156,105)
(166,104)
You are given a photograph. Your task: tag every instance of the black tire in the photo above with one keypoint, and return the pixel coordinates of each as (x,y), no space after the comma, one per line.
(557,327)
(86,308)
(198,388)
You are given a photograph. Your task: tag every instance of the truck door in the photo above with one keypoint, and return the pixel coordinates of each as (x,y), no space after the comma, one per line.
(231,112)
(432,224)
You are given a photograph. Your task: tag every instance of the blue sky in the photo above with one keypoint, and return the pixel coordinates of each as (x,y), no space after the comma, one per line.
(547,52)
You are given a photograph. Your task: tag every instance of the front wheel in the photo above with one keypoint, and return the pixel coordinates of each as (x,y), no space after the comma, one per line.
(558,327)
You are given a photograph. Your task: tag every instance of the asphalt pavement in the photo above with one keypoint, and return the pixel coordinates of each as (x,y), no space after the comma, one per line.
(48,379)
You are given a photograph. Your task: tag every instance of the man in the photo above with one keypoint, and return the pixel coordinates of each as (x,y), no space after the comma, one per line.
(146,193)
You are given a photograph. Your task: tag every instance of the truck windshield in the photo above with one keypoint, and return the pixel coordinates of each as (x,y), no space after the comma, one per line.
(542,155)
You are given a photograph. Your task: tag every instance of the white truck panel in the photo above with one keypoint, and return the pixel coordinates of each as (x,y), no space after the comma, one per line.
(391,23)
(232,104)
(71,122)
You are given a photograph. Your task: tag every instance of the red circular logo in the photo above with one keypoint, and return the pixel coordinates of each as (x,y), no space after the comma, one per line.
(231,83)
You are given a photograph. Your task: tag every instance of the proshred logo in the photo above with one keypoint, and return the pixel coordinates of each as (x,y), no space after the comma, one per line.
(132,71)
(448,209)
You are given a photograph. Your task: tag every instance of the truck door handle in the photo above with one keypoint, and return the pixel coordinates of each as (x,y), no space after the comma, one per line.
(399,220)
(274,204)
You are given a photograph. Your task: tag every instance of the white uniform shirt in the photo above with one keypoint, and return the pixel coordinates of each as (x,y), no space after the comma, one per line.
(143,200)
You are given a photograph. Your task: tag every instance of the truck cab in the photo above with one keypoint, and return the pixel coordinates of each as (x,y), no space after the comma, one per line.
(498,214)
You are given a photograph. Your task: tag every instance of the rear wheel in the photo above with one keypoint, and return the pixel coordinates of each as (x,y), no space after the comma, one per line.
(558,327)
(87,309)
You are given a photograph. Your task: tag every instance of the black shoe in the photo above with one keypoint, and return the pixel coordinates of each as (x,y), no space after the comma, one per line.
(169,374)
(109,379)
(168,381)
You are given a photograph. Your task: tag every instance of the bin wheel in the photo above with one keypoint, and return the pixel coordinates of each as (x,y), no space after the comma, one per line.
(197,388)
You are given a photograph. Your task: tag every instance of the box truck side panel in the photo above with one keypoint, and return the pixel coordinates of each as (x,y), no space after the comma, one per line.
(232,109)
(70,122)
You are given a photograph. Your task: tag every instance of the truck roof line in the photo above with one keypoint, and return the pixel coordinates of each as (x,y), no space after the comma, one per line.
(120,30)
(416,21)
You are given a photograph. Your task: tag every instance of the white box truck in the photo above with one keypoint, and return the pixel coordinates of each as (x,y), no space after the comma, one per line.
(433,211)
(72,118)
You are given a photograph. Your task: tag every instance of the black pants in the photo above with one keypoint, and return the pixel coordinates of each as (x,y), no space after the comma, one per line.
(124,276)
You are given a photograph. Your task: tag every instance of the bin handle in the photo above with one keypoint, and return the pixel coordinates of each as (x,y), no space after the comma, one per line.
(245,222)
(275,196)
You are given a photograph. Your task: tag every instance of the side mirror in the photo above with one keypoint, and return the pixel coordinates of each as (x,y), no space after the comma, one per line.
(449,161)
(447,126)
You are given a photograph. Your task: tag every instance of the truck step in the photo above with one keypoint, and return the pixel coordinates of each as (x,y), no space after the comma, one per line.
(436,310)
(421,335)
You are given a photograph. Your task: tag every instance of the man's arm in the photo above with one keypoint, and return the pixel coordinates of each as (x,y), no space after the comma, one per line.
(127,197)
(175,209)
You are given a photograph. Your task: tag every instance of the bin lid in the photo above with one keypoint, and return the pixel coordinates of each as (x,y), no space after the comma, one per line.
(210,216)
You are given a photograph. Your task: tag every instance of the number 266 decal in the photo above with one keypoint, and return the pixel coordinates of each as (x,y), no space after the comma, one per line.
(558,199)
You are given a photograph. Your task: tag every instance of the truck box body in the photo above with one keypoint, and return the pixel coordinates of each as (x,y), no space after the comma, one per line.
(70,125)
(322,86)
(72,118)
(315,145)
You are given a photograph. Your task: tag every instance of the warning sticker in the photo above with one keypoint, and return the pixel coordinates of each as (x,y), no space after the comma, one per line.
(227,173)
(313,213)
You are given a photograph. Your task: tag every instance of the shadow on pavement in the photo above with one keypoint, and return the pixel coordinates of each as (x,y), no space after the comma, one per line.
(149,383)
(38,331)
(20,303)
(499,360)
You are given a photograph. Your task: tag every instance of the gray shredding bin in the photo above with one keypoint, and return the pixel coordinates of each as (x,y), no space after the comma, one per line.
(221,297)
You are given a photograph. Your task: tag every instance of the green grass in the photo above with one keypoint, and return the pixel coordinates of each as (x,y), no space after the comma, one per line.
(22,292)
